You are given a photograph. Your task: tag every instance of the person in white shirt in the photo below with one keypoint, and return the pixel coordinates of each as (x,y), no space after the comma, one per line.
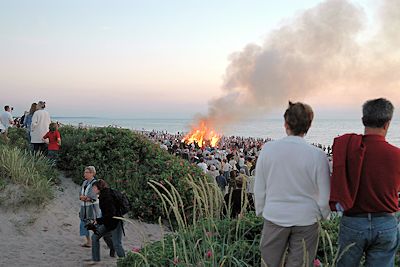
(6,120)
(291,192)
(39,127)
(203,166)
(213,172)
(227,168)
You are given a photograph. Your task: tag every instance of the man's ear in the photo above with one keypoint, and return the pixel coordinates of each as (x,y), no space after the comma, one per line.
(386,125)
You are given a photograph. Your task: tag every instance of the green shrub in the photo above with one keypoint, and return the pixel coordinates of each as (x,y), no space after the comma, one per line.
(127,161)
(17,137)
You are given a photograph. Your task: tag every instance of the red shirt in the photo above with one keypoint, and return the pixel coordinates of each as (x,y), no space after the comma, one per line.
(380,177)
(53,140)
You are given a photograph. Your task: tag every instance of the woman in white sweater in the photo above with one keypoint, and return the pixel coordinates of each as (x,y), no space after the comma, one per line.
(292,192)
(39,127)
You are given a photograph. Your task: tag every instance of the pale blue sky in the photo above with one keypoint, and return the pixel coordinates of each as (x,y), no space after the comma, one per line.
(127,58)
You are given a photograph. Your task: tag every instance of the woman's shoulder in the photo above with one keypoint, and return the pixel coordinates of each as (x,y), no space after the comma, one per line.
(106,193)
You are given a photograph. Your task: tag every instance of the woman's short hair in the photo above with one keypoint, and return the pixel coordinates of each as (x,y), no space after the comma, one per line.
(91,169)
(100,184)
(298,116)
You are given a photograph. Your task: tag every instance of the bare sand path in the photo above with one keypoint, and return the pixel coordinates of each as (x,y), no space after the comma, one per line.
(50,236)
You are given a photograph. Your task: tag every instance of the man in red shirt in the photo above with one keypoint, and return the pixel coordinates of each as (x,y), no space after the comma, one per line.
(367,190)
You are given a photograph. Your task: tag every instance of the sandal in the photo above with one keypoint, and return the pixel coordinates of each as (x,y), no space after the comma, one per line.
(86,245)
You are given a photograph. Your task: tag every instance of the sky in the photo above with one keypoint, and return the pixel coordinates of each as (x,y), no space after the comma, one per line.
(137,59)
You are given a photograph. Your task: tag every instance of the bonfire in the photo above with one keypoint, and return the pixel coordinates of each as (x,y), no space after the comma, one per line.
(202,135)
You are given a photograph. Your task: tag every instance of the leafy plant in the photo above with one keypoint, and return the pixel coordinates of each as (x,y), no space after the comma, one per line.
(127,161)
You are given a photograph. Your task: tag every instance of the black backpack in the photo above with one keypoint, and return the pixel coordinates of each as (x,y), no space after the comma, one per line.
(121,202)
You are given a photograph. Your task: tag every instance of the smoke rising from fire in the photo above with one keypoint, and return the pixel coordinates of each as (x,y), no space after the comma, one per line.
(321,49)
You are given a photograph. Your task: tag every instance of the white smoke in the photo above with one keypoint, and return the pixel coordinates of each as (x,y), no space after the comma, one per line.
(316,52)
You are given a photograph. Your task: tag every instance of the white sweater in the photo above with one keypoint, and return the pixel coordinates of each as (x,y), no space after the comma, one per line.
(292,183)
(40,125)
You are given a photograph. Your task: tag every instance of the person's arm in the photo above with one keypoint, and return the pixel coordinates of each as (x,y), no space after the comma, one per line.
(81,197)
(260,185)
(10,119)
(46,136)
(91,196)
(58,138)
(34,122)
(323,184)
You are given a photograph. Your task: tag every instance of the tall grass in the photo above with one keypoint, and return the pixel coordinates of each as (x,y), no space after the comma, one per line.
(205,237)
(30,177)
(202,235)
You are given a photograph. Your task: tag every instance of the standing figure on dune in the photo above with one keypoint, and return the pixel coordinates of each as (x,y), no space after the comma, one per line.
(39,127)
(291,193)
(365,186)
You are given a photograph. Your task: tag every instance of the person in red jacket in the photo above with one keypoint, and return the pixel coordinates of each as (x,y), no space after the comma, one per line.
(54,139)
(365,185)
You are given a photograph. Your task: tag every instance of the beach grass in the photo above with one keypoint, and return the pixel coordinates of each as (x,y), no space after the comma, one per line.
(26,178)
(207,237)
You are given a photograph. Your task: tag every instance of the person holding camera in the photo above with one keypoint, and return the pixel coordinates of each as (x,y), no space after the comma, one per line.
(107,223)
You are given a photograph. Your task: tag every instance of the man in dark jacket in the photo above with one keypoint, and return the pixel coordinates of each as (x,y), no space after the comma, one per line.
(372,183)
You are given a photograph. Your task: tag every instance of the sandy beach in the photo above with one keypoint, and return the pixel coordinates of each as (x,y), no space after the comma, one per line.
(49,236)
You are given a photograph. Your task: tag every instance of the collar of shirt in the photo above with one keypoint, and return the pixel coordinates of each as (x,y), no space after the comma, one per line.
(294,139)
(374,137)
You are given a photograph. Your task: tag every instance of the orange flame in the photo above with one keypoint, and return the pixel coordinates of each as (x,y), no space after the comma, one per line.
(202,135)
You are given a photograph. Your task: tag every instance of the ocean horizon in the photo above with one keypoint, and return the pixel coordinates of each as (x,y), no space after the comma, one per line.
(322,131)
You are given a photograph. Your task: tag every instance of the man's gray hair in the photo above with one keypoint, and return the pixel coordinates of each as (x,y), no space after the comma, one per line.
(377,112)
(92,169)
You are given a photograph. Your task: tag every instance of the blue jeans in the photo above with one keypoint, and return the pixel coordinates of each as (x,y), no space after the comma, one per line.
(82,230)
(116,240)
(377,237)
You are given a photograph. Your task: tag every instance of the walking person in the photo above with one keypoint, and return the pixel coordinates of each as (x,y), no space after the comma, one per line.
(39,127)
(107,223)
(90,209)
(89,204)
(365,186)
(291,193)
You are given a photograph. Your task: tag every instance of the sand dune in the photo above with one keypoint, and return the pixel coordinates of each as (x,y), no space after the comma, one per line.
(50,236)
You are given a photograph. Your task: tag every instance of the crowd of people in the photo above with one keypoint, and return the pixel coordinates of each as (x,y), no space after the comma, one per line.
(42,134)
(231,162)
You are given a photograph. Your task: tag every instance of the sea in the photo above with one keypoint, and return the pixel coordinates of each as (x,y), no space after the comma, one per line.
(322,131)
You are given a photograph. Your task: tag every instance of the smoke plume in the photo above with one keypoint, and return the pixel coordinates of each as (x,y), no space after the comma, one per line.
(319,50)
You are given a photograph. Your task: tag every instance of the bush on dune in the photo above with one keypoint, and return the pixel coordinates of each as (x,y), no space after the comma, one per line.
(127,161)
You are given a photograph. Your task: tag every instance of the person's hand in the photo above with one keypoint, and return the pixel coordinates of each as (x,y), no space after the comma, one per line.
(82,198)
